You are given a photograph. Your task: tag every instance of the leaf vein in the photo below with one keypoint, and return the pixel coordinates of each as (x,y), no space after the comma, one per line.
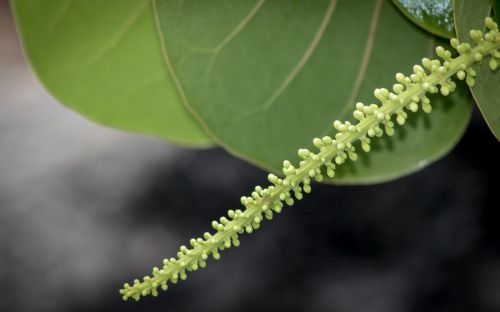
(59,16)
(119,34)
(366,55)
(305,57)
(241,25)
(365,60)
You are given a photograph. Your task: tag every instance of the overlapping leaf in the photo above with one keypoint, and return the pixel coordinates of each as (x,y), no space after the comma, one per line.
(486,92)
(267,76)
(103,59)
(435,16)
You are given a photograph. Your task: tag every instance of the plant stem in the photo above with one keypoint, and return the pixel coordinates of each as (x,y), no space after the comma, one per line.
(263,202)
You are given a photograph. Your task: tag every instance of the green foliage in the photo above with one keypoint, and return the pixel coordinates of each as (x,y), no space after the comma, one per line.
(103,59)
(435,16)
(263,81)
(409,94)
(469,15)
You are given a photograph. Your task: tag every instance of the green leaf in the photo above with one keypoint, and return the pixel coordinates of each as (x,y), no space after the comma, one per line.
(267,77)
(486,92)
(435,16)
(104,60)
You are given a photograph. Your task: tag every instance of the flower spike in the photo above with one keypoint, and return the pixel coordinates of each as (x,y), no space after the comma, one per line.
(373,120)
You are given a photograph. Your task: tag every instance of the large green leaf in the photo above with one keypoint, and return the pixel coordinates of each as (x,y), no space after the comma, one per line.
(435,16)
(103,59)
(267,77)
(470,15)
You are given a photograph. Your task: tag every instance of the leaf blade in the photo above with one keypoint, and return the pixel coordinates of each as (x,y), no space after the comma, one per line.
(486,93)
(104,61)
(435,16)
(234,92)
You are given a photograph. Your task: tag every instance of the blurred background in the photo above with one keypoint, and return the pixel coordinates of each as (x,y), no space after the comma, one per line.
(84,208)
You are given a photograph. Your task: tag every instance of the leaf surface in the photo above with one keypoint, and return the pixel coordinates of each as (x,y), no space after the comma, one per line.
(486,92)
(104,60)
(268,76)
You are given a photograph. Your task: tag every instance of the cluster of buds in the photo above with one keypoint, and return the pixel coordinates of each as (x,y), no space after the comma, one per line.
(373,120)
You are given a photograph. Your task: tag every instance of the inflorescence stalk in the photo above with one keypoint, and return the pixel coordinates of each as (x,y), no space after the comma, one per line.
(408,94)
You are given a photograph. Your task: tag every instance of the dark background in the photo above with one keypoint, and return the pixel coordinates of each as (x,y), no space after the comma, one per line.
(85,208)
